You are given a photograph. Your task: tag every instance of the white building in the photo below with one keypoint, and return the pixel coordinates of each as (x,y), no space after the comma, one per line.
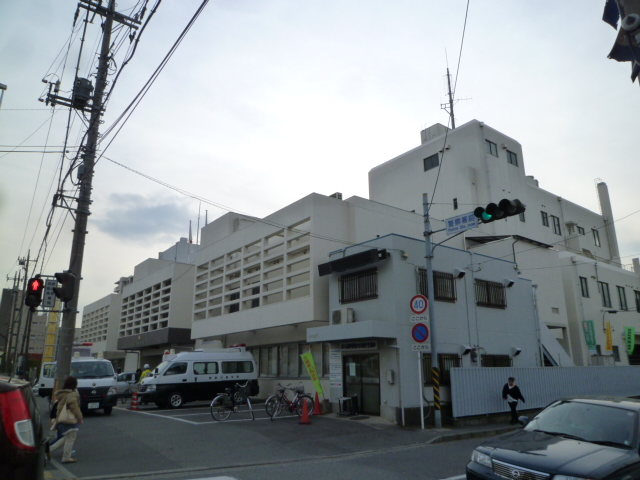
(149,312)
(569,252)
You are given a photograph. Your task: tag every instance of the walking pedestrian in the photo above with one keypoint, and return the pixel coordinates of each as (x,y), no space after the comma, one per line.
(511,393)
(70,398)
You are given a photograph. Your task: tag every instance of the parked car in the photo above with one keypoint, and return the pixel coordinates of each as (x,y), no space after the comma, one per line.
(23,438)
(571,439)
(126,384)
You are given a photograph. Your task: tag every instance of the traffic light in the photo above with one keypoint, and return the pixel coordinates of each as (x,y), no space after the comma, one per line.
(35,286)
(67,290)
(506,208)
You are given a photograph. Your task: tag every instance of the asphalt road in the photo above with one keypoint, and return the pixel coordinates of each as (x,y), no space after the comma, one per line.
(189,444)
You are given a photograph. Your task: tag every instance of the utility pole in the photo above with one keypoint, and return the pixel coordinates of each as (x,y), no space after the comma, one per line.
(67,328)
(435,365)
(7,341)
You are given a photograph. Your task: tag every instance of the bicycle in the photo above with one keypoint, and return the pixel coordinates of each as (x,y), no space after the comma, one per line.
(229,402)
(128,393)
(276,403)
(427,407)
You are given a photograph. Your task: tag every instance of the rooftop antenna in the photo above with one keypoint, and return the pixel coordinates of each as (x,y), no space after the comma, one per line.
(198,230)
(444,105)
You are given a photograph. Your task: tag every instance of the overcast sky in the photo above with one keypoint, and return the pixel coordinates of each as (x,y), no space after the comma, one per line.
(267,101)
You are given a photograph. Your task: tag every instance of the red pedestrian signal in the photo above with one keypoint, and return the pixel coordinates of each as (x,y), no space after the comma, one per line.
(33,297)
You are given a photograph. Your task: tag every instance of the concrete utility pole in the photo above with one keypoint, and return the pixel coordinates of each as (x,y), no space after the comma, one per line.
(435,365)
(67,328)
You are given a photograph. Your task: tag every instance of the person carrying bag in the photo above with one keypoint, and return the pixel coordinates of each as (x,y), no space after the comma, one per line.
(68,419)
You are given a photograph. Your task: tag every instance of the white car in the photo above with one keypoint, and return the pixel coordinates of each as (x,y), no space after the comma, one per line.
(126,384)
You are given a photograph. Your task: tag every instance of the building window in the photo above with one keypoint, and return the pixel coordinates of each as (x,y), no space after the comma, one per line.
(355,287)
(556,225)
(268,363)
(604,292)
(444,285)
(622,297)
(581,230)
(512,158)
(496,361)
(521,216)
(490,294)
(596,237)
(492,148)
(545,219)
(584,286)
(455,203)
(637,293)
(289,360)
(431,162)
(446,361)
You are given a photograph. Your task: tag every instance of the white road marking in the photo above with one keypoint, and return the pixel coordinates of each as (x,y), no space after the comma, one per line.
(459,477)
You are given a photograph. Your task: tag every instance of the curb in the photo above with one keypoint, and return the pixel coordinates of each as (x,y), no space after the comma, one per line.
(476,434)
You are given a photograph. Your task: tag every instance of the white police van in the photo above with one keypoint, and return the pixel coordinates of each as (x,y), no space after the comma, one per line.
(96,382)
(198,375)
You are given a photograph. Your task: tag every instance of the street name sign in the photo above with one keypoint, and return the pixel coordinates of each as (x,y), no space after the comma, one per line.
(461,223)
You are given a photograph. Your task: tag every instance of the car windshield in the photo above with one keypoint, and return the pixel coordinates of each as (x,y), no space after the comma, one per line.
(584,421)
(92,369)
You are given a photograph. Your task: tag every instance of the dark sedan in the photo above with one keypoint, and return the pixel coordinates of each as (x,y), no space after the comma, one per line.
(573,439)
(23,439)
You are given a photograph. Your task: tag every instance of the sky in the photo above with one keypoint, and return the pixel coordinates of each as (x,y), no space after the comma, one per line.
(265,102)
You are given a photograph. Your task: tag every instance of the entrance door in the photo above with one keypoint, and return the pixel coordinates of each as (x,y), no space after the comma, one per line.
(362,377)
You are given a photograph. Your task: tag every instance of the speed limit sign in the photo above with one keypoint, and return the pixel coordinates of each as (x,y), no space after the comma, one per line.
(419,304)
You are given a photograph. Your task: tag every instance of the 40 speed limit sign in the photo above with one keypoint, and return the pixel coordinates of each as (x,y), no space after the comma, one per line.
(419,304)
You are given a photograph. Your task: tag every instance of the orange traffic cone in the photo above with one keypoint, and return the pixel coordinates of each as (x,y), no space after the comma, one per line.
(305,420)
(134,401)
(317,406)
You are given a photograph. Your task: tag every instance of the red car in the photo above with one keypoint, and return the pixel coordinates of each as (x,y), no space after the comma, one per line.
(23,439)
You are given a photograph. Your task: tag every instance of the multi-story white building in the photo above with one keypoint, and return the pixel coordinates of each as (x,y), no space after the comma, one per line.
(569,252)
(149,312)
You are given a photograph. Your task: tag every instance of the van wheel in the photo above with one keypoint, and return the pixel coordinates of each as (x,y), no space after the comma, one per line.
(107,410)
(176,400)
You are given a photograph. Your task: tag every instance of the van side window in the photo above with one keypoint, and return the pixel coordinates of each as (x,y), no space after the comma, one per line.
(49,371)
(237,367)
(176,369)
(205,368)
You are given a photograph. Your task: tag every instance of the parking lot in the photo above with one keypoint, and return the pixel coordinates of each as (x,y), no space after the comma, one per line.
(198,413)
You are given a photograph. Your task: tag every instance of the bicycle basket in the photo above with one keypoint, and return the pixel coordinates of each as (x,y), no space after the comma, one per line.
(300,389)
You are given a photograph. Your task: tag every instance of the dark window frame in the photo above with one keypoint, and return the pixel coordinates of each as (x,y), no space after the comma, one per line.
(545,218)
(605,295)
(581,231)
(432,161)
(359,286)
(492,148)
(622,298)
(584,286)
(512,158)
(596,237)
(444,285)
(490,294)
(496,361)
(557,229)
(446,361)
(637,294)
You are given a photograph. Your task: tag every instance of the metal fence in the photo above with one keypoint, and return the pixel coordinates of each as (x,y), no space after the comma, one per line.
(478,391)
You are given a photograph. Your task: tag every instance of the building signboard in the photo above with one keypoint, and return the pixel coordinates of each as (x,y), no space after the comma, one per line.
(589,334)
(630,337)
(461,223)
(335,368)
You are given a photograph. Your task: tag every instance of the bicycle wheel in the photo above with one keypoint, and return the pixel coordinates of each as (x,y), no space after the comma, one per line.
(239,396)
(270,404)
(302,399)
(221,408)
(277,407)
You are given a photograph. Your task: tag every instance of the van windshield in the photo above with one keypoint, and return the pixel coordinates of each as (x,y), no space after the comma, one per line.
(91,369)
(159,370)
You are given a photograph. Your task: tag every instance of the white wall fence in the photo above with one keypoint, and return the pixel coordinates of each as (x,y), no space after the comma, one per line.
(478,391)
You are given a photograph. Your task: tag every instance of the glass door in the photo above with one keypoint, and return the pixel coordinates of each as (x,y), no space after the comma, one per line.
(362,378)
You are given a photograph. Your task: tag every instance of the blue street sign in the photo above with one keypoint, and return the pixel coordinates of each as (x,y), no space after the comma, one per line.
(461,223)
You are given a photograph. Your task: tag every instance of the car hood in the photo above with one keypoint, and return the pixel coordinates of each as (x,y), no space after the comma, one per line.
(553,454)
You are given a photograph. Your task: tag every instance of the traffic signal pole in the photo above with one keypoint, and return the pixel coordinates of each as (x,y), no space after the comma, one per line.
(435,365)
(67,328)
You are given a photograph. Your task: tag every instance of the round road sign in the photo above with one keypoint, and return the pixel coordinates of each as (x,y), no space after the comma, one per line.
(420,332)
(419,304)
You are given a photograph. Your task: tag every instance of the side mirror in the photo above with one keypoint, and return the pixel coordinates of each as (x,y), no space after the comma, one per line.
(523,420)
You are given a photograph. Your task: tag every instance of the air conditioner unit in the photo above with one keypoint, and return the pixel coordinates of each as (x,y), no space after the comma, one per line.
(342,315)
